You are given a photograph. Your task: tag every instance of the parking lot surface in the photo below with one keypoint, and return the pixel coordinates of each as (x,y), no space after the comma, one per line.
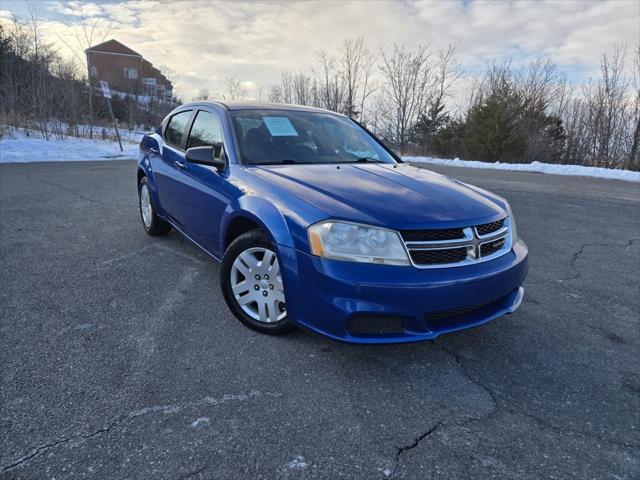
(120,360)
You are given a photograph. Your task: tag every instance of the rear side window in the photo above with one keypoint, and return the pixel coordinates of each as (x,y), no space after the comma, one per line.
(206,130)
(177,124)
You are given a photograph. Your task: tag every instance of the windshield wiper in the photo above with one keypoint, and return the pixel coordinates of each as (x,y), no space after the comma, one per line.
(366,160)
(288,161)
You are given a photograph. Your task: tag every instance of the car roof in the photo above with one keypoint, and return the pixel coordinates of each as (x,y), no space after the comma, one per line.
(237,105)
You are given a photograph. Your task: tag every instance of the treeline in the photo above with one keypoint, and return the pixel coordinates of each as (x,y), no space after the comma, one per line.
(40,90)
(419,100)
(506,113)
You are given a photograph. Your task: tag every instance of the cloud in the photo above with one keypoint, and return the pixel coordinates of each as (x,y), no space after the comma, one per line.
(202,43)
(75,8)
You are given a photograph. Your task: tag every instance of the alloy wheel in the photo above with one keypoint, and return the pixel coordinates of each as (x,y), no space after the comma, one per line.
(145,206)
(256,284)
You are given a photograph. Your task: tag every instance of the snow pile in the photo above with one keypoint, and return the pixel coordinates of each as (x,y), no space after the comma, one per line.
(20,148)
(538,167)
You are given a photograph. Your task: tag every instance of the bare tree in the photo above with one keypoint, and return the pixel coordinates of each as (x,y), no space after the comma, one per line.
(234,90)
(633,161)
(435,114)
(611,97)
(408,76)
(275,94)
(86,32)
(331,89)
(42,57)
(260,91)
(357,66)
(448,72)
(540,86)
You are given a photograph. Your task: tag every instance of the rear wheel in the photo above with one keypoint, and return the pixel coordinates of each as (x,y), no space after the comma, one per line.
(152,224)
(252,283)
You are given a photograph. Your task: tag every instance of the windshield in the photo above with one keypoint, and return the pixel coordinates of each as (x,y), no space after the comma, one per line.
(270,137)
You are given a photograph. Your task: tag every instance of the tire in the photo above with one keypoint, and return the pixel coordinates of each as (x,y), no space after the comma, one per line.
(152,224)
(252,288)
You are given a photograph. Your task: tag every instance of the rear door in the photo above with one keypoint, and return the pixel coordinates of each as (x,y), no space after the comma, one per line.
(170,174)
(209,192)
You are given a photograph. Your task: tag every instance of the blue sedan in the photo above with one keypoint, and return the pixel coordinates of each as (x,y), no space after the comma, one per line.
(319,225)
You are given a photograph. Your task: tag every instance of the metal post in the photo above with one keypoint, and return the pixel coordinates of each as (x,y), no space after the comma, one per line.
(106,93)
(113,119)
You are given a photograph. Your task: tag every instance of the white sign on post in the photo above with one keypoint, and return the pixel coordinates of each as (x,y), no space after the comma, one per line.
(105,89)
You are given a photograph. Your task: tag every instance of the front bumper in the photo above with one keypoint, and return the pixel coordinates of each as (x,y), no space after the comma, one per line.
(329,296)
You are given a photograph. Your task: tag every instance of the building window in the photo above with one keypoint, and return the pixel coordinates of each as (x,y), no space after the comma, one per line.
(149,81)
(93,71)
(130,73)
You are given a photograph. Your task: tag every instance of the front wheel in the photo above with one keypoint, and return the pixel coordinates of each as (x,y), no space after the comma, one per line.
(252,283)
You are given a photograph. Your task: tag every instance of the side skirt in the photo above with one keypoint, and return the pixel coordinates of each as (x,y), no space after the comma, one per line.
(192,240)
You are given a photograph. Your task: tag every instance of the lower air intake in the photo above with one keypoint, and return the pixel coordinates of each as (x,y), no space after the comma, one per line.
(375,325)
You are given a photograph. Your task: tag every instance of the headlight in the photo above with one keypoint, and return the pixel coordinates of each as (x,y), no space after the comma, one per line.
(353,242)
(512,219)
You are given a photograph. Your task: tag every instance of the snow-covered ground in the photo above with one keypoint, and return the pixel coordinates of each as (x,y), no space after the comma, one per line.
(18,147)
(575,170)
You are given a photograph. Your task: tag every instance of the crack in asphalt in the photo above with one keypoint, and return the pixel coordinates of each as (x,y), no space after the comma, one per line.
(580,251)
(192,473)
(166,409)
(496,407)
(417,440)
(539,421)
(542,424)
(463,369)
(44,447)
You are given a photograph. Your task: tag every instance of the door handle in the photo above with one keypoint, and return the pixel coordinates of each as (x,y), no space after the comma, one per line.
(180,165)
(155,151)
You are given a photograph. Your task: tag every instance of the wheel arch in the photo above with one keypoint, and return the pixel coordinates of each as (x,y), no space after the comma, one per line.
(144,170)
(141,173)
(251,213)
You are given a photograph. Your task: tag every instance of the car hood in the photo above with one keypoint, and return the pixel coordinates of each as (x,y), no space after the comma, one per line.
(401,196)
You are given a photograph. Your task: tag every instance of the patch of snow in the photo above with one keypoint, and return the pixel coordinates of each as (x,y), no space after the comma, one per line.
(297,463)
(20,147)
(199,421)
(574,170)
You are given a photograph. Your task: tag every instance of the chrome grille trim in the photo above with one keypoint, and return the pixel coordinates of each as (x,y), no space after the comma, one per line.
(468,237)
(472,241)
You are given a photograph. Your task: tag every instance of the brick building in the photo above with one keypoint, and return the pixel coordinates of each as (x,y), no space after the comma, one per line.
(127,72)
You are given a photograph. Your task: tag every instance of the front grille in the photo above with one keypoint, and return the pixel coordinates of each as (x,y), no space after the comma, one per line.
(488,228)
(432,235)
(434,248)
(438,257)
(375,325)
(490,248)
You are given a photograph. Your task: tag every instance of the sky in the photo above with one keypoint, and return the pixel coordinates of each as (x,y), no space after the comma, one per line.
(200,43)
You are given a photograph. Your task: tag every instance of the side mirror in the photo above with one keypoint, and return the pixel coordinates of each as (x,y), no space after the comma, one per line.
(207,155)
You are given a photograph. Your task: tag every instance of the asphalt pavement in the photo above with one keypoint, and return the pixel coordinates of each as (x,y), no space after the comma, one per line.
(120,360)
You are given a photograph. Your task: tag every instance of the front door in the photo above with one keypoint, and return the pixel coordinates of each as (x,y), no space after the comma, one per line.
(208,189)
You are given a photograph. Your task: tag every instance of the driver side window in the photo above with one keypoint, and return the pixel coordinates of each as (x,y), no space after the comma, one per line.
(206,130)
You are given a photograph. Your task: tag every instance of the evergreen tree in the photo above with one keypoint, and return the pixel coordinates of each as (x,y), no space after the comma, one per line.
(494,129)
